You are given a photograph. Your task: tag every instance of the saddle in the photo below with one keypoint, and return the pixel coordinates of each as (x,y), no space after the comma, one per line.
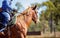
(0,9)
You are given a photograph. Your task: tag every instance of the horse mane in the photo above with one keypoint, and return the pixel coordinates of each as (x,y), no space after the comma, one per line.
(25,11)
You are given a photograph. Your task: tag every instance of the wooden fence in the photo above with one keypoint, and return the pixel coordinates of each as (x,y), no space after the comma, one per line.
(34,33)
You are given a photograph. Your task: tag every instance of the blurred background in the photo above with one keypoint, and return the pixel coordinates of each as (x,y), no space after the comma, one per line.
(48,14)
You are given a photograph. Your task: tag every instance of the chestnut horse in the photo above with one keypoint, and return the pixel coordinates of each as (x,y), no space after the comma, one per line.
(23,20)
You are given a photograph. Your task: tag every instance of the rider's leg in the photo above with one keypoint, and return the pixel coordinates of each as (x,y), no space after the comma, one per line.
(6,18)
(1,19)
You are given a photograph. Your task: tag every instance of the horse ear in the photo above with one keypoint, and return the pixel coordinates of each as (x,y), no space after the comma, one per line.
(34,7)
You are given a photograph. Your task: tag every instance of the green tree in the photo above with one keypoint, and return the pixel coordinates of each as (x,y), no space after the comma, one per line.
(52,12)
(57,13)
(18,5)
(49,13)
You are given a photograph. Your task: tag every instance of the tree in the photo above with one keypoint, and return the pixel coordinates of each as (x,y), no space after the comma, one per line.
(19,5)
(52,12)
(57,13)
(49,13)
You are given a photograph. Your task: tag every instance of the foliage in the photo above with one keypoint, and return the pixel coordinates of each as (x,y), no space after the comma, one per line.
(52,12)
(18,5)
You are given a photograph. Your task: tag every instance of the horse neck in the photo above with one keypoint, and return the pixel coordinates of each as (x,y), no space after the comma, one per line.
(28,19)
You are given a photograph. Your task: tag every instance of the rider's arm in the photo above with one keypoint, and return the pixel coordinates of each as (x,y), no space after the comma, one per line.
(9,6)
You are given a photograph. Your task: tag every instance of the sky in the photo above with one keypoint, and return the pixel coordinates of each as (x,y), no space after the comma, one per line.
(26,3)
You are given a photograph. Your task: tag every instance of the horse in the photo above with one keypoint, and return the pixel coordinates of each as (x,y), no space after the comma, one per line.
(22,23)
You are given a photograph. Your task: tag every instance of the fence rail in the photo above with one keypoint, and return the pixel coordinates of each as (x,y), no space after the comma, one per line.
(34,33)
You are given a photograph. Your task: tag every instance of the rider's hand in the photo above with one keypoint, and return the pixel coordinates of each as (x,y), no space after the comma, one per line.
(14,10)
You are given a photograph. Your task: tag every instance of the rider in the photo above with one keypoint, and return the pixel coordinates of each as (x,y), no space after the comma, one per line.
(5,14)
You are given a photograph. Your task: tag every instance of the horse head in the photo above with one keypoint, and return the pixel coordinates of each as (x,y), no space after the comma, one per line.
(35,15)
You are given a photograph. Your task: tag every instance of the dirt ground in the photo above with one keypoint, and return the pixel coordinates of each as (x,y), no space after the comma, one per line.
(46,35)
